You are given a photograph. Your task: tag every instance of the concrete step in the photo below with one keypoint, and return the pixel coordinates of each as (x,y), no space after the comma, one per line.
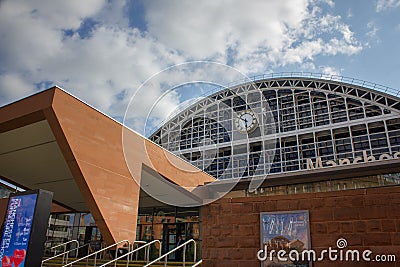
(120,263)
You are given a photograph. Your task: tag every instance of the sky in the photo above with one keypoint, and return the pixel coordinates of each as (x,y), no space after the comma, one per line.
(104,52)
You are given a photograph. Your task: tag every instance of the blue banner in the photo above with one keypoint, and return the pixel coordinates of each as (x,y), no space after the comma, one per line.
(16,230)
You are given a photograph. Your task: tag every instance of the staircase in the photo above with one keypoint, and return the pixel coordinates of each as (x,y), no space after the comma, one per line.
(120,263)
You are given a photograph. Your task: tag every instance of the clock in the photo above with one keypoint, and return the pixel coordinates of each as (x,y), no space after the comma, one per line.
(246,121)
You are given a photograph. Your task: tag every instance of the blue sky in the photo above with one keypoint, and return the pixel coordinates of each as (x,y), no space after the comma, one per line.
(103,51)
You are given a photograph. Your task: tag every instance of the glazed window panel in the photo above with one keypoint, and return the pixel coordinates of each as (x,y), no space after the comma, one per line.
(377,152)
(360,137)
(393,124)
(307,147)
(303,111)
(355,109)
(372,110)
(287,116)
(338,108)
(320,111)
(376,127)
(394,137)
(378,140)
(253,97)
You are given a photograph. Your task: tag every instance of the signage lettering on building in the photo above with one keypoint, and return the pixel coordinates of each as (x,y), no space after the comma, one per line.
(346,161)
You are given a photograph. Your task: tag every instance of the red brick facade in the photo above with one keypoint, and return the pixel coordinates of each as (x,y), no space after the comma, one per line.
(366,218)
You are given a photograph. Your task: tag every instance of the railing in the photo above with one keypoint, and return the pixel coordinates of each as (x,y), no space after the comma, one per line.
(64,253)
(175,249)
(198,263)
(147,254)
(88,249)
(101,250)
(65,245)
(136,242)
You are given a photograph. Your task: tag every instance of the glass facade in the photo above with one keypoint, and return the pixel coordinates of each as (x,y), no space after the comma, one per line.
(166,224)
(298,121)
(169,225)
(73,226)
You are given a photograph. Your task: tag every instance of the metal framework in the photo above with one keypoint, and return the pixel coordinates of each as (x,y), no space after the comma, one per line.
(299,120)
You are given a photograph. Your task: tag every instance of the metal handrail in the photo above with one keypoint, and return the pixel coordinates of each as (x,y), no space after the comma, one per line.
(198,263)
(65,244)
(88,249)
(137,242)
(147,253)
(96,252)
(63,253)
(171,251)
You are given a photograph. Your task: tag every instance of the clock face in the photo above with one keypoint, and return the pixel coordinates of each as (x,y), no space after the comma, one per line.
(246,121)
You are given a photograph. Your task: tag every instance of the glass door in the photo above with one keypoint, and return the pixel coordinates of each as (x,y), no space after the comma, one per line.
(169,239)
(174,234)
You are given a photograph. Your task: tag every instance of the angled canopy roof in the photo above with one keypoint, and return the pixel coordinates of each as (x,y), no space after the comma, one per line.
(55,142)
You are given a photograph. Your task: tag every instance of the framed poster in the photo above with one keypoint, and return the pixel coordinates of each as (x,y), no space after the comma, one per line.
(284,234)
(24,228)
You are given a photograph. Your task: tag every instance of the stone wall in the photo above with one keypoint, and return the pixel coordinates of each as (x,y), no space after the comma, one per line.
(366,218)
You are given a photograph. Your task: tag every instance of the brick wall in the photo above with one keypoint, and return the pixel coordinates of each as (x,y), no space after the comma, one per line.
(366,218)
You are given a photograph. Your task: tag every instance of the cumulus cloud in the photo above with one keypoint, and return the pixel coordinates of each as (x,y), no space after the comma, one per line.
(263,35)
(90,49)
(207,29)
(18,87)
(382,5)
(330,71)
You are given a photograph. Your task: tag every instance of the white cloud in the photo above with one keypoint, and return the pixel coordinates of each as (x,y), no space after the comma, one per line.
(330,71)
(112,14)
(105,67)
(13,87)
(318,34)
(330,3)
(95,69)
(372,33)
(208,28)
(382,5)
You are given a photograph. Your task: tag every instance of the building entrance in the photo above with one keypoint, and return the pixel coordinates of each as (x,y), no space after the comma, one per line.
(173,235)
(171,226)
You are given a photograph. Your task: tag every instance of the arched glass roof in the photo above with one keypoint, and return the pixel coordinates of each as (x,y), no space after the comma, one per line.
(297,122)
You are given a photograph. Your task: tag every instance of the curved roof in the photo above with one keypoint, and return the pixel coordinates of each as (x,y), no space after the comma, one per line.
(291,112)
(346,85)
(334,83)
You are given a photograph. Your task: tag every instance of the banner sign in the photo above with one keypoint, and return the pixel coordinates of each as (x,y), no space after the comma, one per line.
(19,222)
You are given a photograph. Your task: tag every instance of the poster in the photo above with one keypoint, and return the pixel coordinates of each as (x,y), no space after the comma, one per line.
(285,231)
(16,230)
